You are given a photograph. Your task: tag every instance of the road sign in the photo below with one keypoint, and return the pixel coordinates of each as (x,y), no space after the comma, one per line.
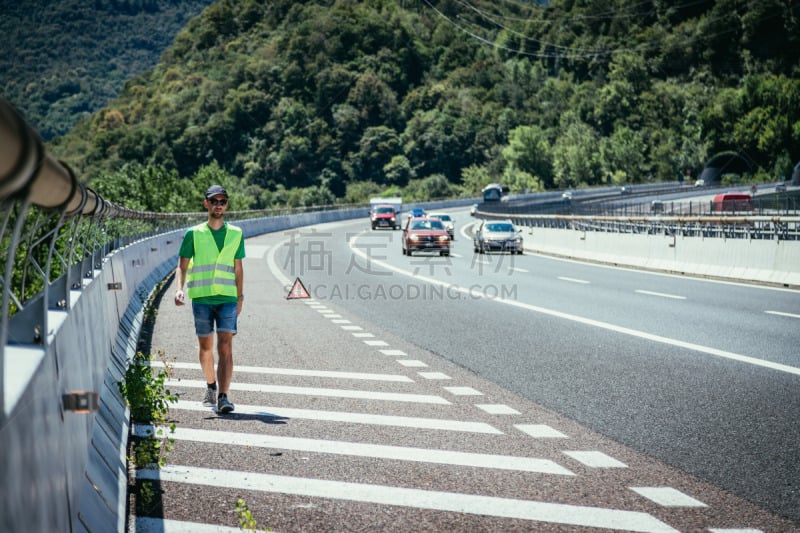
(297,291)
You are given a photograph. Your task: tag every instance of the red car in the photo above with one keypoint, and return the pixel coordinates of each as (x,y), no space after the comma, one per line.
(424,234)
(384,216)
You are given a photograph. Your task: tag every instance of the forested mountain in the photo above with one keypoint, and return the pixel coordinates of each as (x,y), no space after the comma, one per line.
(306,102)
(61,60)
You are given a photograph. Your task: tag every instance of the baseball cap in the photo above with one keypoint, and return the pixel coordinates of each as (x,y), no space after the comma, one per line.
(215,190)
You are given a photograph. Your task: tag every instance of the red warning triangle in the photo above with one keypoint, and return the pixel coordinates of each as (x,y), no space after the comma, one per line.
(297,291)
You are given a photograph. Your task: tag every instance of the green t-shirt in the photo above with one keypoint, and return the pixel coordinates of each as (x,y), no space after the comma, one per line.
(187,251)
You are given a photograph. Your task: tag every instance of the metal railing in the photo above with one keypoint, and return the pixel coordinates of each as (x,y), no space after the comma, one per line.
(774,216)
(54,230)
(783,204)
(784,228)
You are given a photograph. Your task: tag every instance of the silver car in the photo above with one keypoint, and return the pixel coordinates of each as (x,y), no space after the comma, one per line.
(448,221)
(500,235)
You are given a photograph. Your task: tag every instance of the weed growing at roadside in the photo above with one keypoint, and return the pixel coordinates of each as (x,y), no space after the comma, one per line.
(146,394)
(246,520)
(149,399)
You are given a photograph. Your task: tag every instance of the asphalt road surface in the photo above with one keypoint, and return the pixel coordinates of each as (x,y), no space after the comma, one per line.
(482,393)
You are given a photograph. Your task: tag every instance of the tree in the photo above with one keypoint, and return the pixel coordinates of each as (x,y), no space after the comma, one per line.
(398,171)
(529,152)
(375,100)
(377,148)
(624,152)
(575,157)
(474,179)
(241,196)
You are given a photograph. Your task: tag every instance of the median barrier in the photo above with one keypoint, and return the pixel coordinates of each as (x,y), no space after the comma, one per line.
(757,260)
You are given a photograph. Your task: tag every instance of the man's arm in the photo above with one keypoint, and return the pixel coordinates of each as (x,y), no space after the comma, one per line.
(180,280)
(238,271)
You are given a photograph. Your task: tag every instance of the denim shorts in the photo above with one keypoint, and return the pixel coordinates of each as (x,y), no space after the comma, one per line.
(207,315)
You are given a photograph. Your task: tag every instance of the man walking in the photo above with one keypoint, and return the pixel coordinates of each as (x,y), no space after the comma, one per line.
(210,265)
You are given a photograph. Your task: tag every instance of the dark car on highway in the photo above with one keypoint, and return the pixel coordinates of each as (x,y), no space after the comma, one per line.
(425,234)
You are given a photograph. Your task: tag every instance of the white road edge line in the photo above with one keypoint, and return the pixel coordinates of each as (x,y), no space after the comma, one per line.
(421,499)
(781,313)
(588,321)
(573,280)
(660,294)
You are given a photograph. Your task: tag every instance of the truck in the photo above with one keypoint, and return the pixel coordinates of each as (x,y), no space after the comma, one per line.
(385,212)
(732,202)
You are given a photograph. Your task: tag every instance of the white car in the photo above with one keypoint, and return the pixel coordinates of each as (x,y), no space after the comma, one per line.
(448,221)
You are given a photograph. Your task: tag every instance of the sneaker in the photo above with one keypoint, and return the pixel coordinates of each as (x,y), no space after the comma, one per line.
(224,405)
(211,397)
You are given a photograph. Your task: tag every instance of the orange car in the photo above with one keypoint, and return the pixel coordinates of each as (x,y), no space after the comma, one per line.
(424,234)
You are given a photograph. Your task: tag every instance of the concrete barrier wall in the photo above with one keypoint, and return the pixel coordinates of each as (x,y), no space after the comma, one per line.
(769,261)
(63,471)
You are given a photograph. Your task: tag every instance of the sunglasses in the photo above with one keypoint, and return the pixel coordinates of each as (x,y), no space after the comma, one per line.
(214,201)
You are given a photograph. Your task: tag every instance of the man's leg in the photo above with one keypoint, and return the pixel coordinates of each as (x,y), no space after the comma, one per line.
(225,364)
(207,357)
(204,329)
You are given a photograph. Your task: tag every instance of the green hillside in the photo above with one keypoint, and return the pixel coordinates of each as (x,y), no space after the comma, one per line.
(62,60)
(307,102)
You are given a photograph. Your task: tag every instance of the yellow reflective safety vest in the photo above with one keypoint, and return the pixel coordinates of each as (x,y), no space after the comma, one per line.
(211,272)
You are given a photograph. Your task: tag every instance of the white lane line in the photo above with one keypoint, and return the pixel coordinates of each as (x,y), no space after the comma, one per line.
(434,375)
(540,431)
(587,321)
(271,411)
(573,280)
(595,459)
(463,391)
(363,335)
(412,363)
(576,515)
(661,294)
(393,352)
(340,321)
(314,391)
(359,449)
(781,313)
(144,524)
(376,343)
(332,315)
(667,497)
(497,409)
(352,328)
(523,270)
(298,372)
